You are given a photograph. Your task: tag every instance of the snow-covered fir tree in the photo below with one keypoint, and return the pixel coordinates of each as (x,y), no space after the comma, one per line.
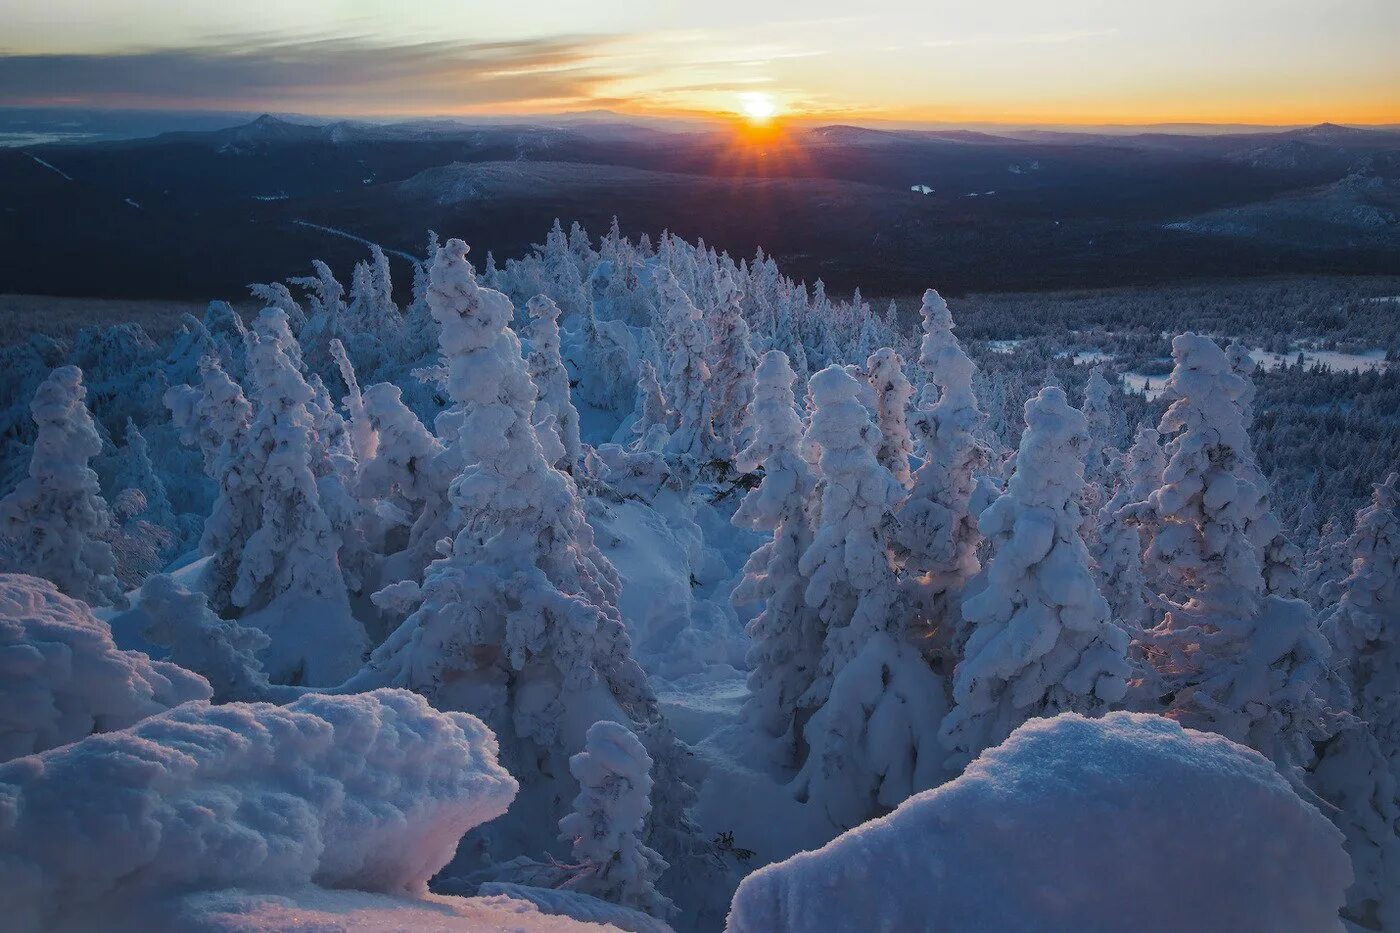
(1229,657)
(1117,546)
(1365,623)
(936,537)
(693,438)
(732,363)
(518,623)
(872,740)
(785,637)
(555,414)
(885,371)
(606,827)
(1042,641)
(55,522)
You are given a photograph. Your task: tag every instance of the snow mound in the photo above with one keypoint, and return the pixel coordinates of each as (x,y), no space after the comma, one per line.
(62,678)
(1129,822)
(319,911)
(370,792)
(578,905)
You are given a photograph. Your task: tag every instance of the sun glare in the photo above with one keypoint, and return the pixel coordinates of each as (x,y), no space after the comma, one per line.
(757,107)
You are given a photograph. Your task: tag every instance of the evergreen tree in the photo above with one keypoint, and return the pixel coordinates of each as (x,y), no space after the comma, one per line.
(1042,642)
(56,521)
(785,636)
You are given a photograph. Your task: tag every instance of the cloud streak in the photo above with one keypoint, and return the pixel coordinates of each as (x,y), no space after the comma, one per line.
(331,75)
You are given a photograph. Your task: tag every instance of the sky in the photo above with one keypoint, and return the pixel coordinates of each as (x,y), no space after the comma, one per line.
(1059,62)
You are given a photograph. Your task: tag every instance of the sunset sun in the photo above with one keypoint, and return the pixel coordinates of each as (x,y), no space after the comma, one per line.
(758,107)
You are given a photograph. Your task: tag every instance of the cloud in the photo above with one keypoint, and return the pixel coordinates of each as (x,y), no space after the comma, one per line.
(330,74)
(1060,37)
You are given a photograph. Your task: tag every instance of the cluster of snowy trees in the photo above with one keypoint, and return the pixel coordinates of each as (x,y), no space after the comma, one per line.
(343,496)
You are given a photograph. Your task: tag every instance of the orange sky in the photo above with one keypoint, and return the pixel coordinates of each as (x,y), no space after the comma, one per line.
(998,61)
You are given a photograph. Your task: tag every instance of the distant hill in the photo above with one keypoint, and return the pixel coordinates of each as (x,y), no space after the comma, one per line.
(200,212)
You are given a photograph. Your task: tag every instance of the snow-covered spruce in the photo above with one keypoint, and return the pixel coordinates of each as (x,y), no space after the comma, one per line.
(62,678)
(208,417)
(1042,642)
(519,623)
(732,363)
(555,415)
(1227,657)
(872,740)
(885,371)
(364,442)
(1365,625)
(693,439)
(274,553)
(56,522)
(1053,830)
(606,826)
(411,470)
(652,413)
(1360,791)
(1117,546)
(785,637)
(936,537)
(370,792)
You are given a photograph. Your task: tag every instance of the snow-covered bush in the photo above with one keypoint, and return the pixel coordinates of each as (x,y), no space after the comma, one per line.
(1042,642)
(55,521)
(62,678)
(368,792)
(223,652)
(1128,822)
(609,817)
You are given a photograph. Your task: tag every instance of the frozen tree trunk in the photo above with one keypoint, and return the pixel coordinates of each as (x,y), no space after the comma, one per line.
(56,520)
(1042,642)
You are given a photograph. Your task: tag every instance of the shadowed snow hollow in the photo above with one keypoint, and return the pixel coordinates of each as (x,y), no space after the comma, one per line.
(1123,823)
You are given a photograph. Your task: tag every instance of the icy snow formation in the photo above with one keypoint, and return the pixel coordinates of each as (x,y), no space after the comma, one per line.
(62,678)
(370,792)
(1128,822)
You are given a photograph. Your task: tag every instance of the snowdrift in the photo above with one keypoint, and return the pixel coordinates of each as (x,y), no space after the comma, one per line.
(62,678)
(370,792)
(1129,822)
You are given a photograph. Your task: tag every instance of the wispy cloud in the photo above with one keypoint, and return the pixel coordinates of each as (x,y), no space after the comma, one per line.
(1058,37)
(333,74)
